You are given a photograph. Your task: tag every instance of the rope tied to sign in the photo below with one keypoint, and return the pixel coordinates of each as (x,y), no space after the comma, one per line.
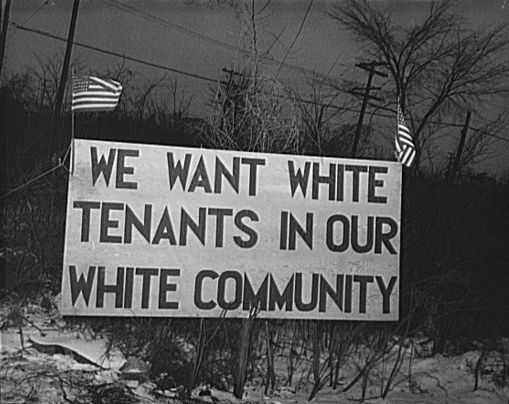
(61,163)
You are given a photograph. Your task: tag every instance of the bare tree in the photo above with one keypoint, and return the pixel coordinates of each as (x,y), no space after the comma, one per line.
(439,66)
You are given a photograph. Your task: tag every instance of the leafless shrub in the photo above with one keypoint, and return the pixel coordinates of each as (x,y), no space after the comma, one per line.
(253,113)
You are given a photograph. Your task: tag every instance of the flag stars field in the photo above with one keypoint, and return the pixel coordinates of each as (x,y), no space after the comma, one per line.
(91,93)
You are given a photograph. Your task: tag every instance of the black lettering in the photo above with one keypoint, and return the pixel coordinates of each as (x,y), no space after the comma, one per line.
(326,289)
(117,288)
(200,178)
(348,294)
(123,170)
(221,290)
(355,235)
(253,167)
(198,285)
(165,287)
(283,231)
(331,244)
(299,303)
(386,292)
(340,184)
(220,215)
(306,235)
(128,291)
(83,285)
(256,300)
(373,183)
(85,217)
(385,238)
(107,224)
(186,222)
(165,229)
(363,280)
(101,166)
(131,220)
(329,180)
(299,178)
(356,170)
(253,236)
(146,274)
(178,171)
(221,171)
(284,299)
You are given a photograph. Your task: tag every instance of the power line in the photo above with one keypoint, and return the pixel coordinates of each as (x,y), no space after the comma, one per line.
(379,115)
(112,53)
(486,133)
(296,35)
(120,55)
(183,72)
(161,21)
(503,107)
(215,41)
(31,16)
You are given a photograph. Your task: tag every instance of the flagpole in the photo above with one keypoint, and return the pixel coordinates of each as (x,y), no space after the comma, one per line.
(72,143)
(71,164)
(398,106)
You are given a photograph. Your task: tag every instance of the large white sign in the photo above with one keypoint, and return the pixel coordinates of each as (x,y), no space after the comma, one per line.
(166,231)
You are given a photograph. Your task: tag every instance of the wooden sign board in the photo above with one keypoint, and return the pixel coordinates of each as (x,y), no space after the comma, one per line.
(178,232)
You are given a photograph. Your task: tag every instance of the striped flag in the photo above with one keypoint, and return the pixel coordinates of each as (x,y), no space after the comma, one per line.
(405,148)
(91,93)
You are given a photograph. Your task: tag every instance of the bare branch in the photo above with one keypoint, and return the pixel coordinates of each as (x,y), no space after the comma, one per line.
(441,66)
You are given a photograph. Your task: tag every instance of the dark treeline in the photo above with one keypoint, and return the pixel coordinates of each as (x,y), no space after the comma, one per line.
(454,261)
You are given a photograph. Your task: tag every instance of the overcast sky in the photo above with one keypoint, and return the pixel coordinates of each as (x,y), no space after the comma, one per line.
(202,37)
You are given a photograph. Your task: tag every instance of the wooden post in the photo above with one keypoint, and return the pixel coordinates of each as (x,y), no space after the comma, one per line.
(270,383)
(239,378)
(3,37)
(65,67)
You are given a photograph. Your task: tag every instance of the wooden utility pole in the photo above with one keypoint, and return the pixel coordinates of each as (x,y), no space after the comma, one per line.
(3,37)
(370,67)
(461,145)
(65,67)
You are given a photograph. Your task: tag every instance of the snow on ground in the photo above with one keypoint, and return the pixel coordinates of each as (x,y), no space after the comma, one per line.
(433,380)
(51,363)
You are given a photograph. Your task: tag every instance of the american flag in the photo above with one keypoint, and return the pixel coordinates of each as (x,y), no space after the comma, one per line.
(91,93)
(405,148)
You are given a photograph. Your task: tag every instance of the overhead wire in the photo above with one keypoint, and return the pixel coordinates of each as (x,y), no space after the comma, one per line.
(117,54)
(217,42)
(39,9)
(296,35)
(209,79)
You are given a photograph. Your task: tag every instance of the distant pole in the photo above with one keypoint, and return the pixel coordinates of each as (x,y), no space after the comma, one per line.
(3,37)
(67,58)
(370,67)
(461,145)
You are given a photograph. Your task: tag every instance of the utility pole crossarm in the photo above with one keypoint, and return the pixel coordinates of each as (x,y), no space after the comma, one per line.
(362,92)
(370,67)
